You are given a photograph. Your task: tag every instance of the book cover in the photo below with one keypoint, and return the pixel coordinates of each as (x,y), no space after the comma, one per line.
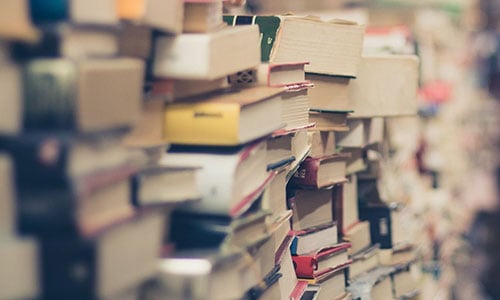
(225,119)
(321,261)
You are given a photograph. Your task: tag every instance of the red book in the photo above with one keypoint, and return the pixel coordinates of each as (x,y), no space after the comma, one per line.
(320,172)
(321,261)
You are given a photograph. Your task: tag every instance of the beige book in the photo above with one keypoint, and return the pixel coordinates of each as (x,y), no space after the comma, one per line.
(207,56)
(19,271)
(329,92)
(359,237)
(386,86)
(329,120)
(310,208)
(7,197)
(94,12)
(164,15)
(350,213)
(15,21)
(202,16)
(322,143)
(362,133)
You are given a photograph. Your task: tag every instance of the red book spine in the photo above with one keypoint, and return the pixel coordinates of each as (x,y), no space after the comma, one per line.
(307,174)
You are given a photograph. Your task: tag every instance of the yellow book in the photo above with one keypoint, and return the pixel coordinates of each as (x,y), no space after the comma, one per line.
(229,118)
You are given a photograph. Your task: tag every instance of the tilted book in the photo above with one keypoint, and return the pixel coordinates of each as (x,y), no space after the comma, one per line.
(310,239)
(321,172)
(225,119)
(321,261)
(332,48)
(229,180)
(207,55)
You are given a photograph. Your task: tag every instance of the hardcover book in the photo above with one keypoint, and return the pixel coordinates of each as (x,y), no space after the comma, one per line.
(230,180)
(87,96)
(225,119)
(205,55)
(103,268)
(332,48)
(310,239)
(321,172)
(321,261)
(329,93)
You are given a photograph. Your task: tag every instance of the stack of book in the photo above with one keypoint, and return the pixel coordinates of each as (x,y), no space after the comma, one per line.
(73,87)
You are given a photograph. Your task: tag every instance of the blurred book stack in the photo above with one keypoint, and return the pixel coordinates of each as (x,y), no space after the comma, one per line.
(74,88)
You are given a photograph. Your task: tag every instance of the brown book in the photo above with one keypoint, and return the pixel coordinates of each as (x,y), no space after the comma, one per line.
(320,172)
(310,208)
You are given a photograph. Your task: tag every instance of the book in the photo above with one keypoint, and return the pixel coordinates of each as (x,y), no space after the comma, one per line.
(332,47)
(288,281)
(295,141)
(402,253)
(70,41)
(386,224)
(345,203)
(15,21)
(225,119)
(327,120)
(204,55)
(329,93)
(274,197)
(205,273)
(364,261)
(362,133)
(202,15)
(331,285)
(230,180)
(279,149)
(159,185)
(197,231)
(376,283)
(8,196)
(262,253)
(308,240)
(289,74)
(386,86)
(104,269)
(294,106)
(359,236)
(83,12)
(310,208)
(321,261)
(357,163)
(320,172)
(161,15)
(279,226)
(322,143)
(173,90)
(19,274)
(62,95)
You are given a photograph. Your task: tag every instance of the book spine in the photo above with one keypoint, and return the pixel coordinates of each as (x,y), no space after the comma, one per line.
(307,174)
(49,95)
(69,269)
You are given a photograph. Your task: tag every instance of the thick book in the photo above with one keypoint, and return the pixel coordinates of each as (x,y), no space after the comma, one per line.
(97,267)
(206,274)
(311,207)
(332,48)
(196,231)
(82,12)
(86,96)
(310,239)
(202,16)
(15,21)
(70,41)
(288,74)
(163,15)
(206,55)
(321,172)
(169,186)
(225,119)
(329,120)
(330,285)
(322,143)
(330,92)
(321,261)
(386,86)
(19,274)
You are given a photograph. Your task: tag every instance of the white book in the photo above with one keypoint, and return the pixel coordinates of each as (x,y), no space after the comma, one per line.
(207,55)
